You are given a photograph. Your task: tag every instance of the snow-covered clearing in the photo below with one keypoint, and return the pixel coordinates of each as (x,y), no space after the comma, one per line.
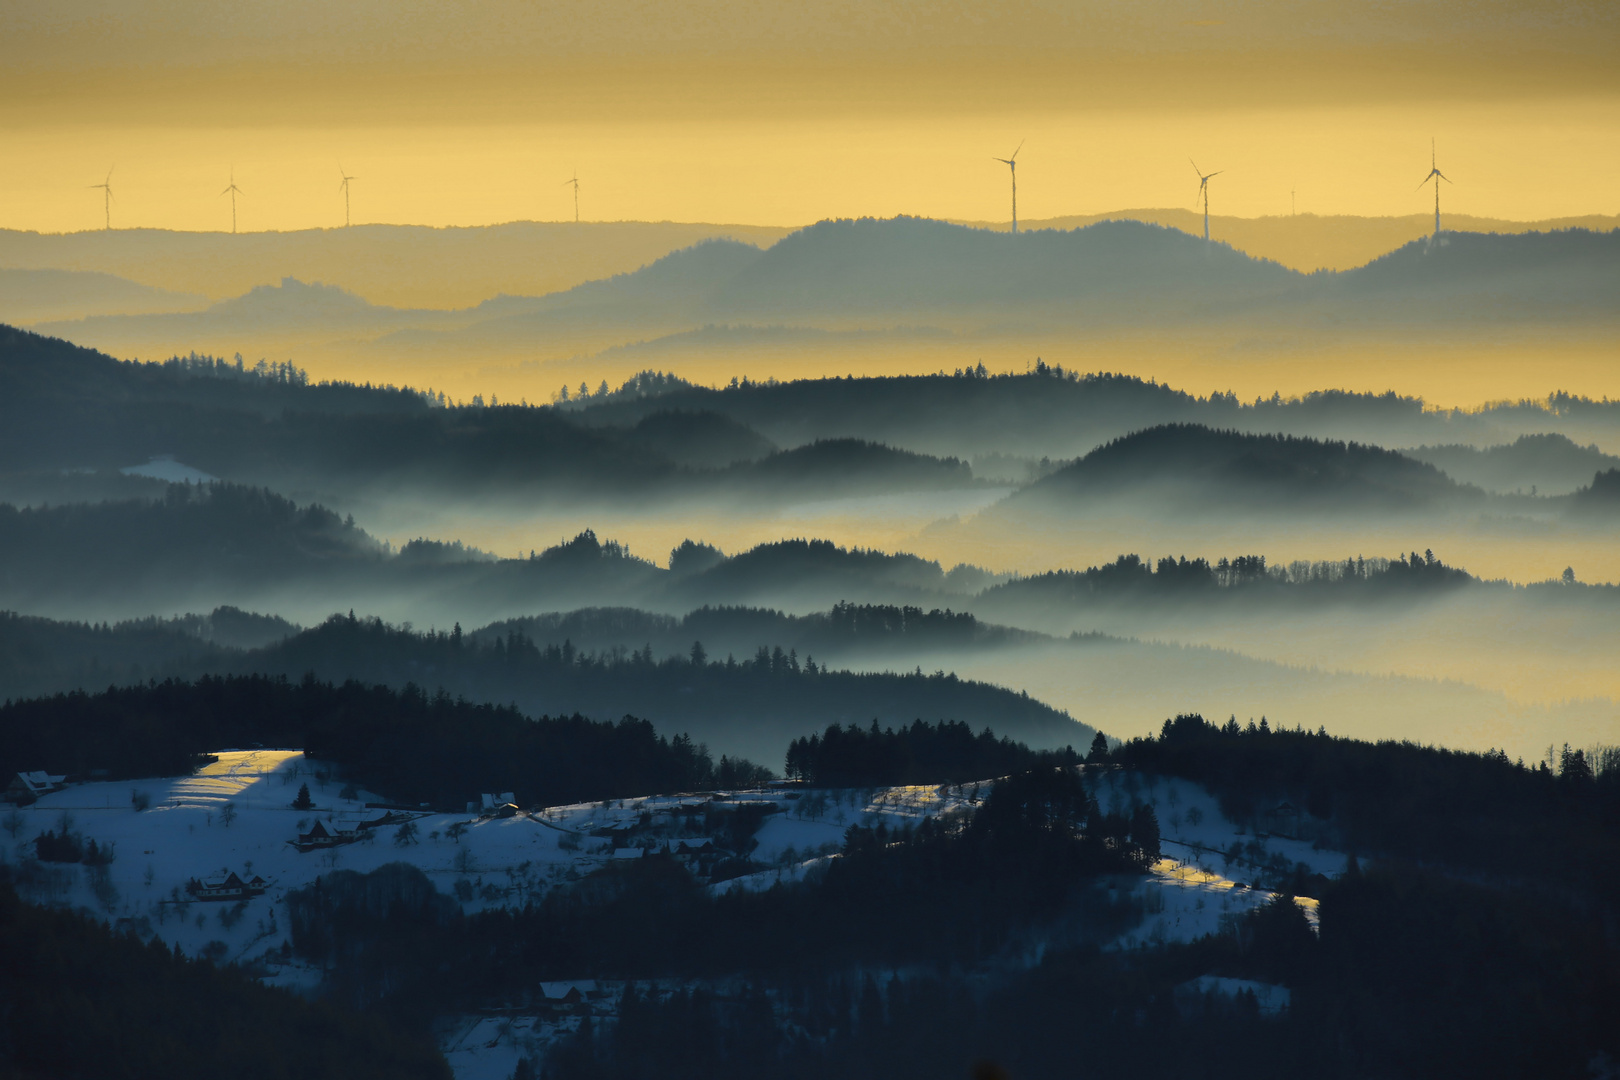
(235,815)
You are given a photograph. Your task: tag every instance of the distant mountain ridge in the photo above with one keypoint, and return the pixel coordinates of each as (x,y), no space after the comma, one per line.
(870,275)
(36,295)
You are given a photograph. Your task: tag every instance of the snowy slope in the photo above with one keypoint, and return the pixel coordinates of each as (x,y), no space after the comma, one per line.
(187,832)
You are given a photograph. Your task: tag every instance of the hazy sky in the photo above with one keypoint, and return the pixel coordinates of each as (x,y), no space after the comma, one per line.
(778,113)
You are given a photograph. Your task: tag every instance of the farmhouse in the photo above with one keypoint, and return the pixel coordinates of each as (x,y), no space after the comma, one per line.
(320,837)
(25,787)
(231,887)
(568,992)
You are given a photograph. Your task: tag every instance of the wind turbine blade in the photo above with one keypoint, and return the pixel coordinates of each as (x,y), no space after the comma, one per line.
(1020,147)
(1196,169)
(1215,173)
(1442,176)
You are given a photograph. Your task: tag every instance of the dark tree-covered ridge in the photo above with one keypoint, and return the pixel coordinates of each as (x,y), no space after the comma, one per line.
(404,744)
(947,752)
(1447,807)
(82,1000)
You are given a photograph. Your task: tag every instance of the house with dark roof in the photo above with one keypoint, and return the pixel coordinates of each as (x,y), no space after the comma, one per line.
(25,787)
(230,887)
(319,836)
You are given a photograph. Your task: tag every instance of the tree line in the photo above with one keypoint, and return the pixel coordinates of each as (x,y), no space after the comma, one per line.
(405,744)
(944,753)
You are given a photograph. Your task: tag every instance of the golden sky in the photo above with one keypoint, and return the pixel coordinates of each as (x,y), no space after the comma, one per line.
(785,113)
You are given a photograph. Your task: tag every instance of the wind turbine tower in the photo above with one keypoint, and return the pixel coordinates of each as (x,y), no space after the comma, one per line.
(344,187)
(1435,175)
(575,182)
(107,196)
(233,191)
(1012,163)
(1203,190)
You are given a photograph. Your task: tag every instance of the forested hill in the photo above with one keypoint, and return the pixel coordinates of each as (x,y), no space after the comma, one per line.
(1050,411)
(194,536)
(66,408)
(750,705)
(845,630)
(1567,273)
(86,1000)
(1230,468)
(739,702)
(36,370)
(204,546)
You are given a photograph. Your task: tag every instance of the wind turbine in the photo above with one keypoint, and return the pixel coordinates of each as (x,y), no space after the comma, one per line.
(1436,175)
(344,187)
(233,191)
(107,195)
(1203,189)
(1012,163)
(575,182)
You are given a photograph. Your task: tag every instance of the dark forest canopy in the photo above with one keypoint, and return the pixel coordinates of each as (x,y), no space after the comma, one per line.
(404,744)
(1601,496)
(1412,975)
(82,1000)
(843,629)
(1444,807)
(920,754)
(753,706)
(1132,579)
(947,893)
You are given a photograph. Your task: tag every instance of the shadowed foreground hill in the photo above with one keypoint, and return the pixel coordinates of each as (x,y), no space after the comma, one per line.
(82,1000)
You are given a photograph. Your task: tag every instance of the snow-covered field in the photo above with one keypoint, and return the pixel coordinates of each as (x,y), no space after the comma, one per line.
(235,815)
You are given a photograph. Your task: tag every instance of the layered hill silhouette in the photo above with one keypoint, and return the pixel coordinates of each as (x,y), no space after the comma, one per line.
(1551,463)
(752,706)
(1192,465)
(66,409)
(397,265)
(912,272)
(1049,412)
(38,295)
